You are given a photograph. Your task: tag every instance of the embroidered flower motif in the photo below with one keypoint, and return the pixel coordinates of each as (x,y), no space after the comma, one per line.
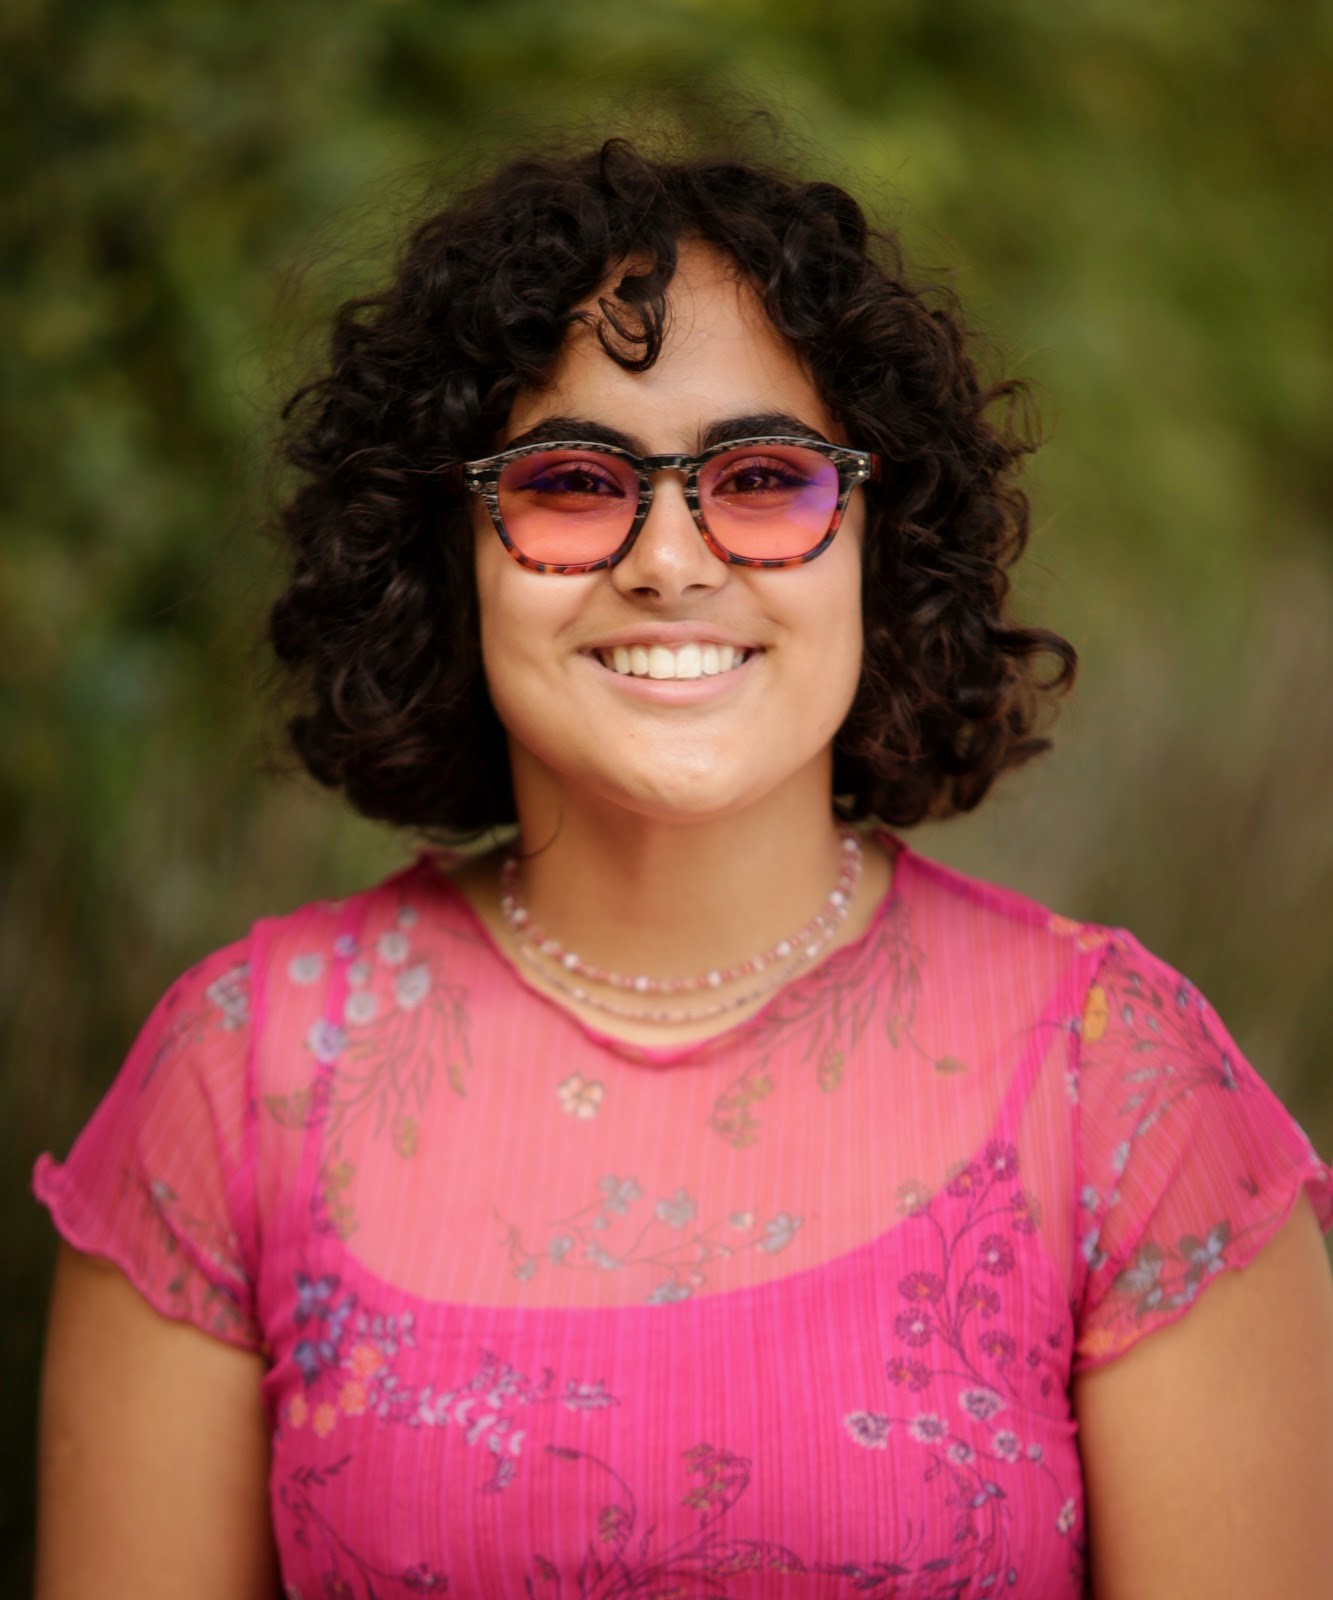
(779,1232)
(868,1428)
(366,1360)
(298,1411)
(997,1344)
(1142,1280)
(305,969)
(904,1372)
(325,1041)
(411,986)
(913,1196)
(352,1398)
(667,1293)
(324,1419)
(1120,1157)
(1096,1014)
(980,1403)
(1005,1445)
(927,1286)
(1064,1520)
(230,993)
(742,1220)
(1026,1209)
(962,1455)
(996,1254)
(360,1007)
(928,1428)
(1001,1158)
(1206,1255)
(979,1297)
(581,1097)
(359,973)
(620,1193)
(407,916)
(393,948)
(965,1181)
(587,1396)
(677,1211)
(913,1326)
(344,946)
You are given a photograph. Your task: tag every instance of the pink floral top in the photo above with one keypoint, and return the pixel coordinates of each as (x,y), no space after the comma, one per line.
(792,1311)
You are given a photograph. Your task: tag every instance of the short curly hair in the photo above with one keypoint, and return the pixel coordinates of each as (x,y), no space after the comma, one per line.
(379,621)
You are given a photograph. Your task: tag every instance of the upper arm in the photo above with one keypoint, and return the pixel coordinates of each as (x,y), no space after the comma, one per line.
(1208,1447)
(153,1459)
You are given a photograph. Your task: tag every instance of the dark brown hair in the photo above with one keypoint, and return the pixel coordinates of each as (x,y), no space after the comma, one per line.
(379,621)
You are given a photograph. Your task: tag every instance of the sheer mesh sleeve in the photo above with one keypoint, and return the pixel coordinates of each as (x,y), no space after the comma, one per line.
(1188,1163)
(160,1181)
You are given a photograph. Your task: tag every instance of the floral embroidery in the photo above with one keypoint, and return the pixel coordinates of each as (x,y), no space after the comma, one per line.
(942,1337)
(619,1566)
(186,1024)
(1155,1033)
(315,1531)
(612,1234)
(306,969)
(214,1299)
(348,1357)
(580,1097)
(828,1011)
(380,1061)
(621,1562)
(1165,1280)
(230,993)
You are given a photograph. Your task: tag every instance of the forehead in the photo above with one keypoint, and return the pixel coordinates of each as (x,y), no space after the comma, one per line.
(721,357)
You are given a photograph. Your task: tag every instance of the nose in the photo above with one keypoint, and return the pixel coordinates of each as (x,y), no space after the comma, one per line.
(669,558)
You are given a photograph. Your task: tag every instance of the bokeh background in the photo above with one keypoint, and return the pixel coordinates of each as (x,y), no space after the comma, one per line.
(1131,197)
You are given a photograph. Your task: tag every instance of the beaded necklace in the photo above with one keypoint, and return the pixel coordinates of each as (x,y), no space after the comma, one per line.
(559,966)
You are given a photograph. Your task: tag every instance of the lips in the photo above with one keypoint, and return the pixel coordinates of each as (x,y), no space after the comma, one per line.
(691,659)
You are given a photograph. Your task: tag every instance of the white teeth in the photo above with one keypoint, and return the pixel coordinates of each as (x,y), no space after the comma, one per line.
(689,661)
(657,661)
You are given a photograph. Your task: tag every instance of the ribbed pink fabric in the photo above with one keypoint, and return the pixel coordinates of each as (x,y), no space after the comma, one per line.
(792,1311)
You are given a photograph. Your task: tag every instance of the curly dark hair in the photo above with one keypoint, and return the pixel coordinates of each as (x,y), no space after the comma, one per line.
(380,622)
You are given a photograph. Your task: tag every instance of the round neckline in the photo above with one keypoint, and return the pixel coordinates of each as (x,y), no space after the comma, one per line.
(668,1055)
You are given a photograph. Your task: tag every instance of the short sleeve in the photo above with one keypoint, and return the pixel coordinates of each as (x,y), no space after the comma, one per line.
(1187,1162)
(160,1181)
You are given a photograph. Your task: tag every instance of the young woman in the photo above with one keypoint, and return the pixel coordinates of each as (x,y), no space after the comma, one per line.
(701,1194)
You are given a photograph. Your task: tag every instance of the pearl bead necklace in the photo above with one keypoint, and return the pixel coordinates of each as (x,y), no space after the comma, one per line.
(788,956)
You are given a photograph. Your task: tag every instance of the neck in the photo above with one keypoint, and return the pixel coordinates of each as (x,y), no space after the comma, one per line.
(671,898)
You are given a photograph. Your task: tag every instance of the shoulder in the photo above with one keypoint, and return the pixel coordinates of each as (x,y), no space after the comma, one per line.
(299,950)
(978,924)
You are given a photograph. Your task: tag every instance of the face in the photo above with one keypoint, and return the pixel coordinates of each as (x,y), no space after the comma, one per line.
(682,749)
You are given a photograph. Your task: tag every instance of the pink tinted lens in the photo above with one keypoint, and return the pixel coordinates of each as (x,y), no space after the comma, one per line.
(769,502)
(568,507)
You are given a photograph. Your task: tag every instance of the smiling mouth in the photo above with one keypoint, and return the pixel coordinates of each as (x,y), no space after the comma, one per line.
(686,661)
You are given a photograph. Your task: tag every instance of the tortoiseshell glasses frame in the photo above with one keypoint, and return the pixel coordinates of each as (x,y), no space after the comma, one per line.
(854,467)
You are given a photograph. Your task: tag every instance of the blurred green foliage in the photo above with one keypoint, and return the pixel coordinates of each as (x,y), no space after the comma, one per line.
(1133,195)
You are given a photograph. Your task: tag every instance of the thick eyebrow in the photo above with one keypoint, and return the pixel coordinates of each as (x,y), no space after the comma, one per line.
(777,423)
(565,430)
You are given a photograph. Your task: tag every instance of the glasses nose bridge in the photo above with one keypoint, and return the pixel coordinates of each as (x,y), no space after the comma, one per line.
(684,468)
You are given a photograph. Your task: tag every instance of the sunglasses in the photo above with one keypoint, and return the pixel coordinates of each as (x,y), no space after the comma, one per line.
(578,507)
